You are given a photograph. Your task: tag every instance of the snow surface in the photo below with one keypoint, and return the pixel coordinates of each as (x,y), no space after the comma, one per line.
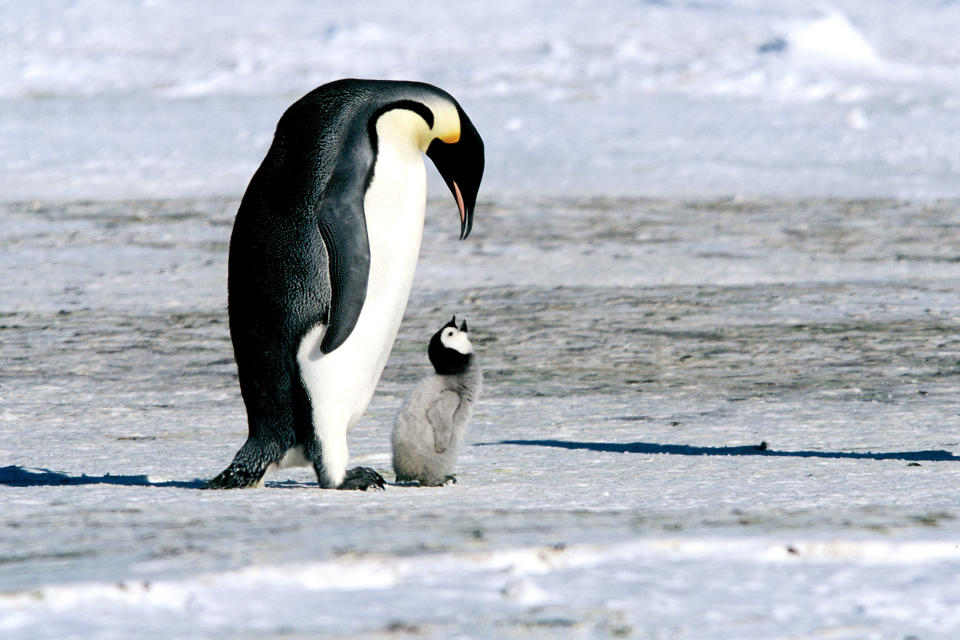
(749,97)
(751,436)
(712,279)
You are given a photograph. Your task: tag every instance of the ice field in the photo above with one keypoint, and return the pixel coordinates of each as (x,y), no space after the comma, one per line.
(712,280)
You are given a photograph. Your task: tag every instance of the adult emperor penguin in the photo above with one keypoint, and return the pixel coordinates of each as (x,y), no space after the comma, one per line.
(321,263)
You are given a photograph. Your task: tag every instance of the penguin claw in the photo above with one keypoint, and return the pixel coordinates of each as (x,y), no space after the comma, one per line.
(362,478)
(451,479)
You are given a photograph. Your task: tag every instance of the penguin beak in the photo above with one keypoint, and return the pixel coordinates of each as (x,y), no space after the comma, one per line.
(463,326)
(461,166)
(463,211)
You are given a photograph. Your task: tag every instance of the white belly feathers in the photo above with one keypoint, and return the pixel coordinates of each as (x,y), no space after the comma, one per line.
(341,383)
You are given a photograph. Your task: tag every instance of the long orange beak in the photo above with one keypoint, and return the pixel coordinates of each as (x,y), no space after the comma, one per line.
(463,212)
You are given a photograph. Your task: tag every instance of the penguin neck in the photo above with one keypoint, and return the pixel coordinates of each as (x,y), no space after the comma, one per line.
(466,379)
(394,204)
(407,126)
(403,128)
(452,363)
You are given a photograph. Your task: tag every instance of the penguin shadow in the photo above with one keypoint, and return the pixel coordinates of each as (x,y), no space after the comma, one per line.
(761,449)
(16,476)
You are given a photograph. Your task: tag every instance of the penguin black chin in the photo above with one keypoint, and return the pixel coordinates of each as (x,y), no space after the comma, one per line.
(451,362)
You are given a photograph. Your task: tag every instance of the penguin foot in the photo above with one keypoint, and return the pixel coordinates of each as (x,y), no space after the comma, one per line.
(436,481)
(362,478)
(234,477)
(249,466)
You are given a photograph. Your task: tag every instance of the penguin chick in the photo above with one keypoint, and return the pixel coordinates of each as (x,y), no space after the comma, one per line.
(433,420)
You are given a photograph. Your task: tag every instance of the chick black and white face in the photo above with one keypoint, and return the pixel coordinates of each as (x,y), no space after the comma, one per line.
(450,350)
(453,338)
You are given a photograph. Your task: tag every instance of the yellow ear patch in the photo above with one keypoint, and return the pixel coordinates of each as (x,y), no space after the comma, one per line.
(450,138)
(406,124)
(446,125)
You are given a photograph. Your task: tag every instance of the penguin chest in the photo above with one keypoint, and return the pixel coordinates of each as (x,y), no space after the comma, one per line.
(341,383)
(394,208)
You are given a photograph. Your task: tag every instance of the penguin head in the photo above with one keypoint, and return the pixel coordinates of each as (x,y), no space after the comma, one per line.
(457,152)
(450,350)
(419,112)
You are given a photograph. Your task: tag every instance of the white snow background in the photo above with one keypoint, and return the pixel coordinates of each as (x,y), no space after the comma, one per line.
(131,99)
(703,226)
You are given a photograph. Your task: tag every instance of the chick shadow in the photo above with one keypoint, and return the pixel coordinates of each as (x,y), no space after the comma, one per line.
(762,449)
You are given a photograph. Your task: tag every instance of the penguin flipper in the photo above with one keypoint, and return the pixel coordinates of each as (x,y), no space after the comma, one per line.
(343,227)
(440,416)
